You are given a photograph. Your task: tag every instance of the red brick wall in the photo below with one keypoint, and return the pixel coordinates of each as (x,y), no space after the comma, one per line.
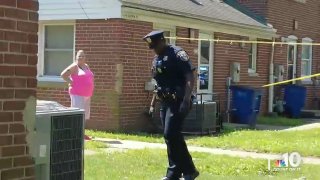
(54,94)
(137,60)
(100,39)
(225,54)
(108,44)
(281,15)
(115,42)
(18,49)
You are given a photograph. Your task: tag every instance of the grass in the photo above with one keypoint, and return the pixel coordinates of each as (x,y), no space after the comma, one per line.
(280,121)
(151,164)
(305,142)
(94,145)
(155,138)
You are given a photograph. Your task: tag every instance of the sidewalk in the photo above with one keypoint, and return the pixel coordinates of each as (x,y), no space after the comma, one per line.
(304,127)
(312,124)
(121,145)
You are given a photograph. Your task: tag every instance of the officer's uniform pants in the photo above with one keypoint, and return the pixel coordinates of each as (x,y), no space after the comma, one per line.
(179,158)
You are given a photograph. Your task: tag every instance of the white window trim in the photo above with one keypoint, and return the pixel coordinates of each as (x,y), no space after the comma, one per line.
(166,27)
(41,41)
(254,56)
(211,58)
(307,40)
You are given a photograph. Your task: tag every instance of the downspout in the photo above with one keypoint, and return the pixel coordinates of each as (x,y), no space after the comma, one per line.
(271,79)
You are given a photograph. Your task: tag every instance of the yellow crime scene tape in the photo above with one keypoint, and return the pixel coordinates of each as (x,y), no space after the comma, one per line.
(291,80)
(245,41)
(257,42)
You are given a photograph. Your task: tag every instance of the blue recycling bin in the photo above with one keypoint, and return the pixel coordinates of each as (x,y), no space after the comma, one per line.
(294,99)
(245,105)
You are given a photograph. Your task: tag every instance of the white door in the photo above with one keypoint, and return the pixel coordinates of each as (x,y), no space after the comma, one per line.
(205,65)
(292,59)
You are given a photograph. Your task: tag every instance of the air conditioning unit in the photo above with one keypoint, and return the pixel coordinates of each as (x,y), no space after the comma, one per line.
(202,119)
(58,142)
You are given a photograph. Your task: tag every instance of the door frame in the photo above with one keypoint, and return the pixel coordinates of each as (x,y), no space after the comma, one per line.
(206,35)
(292,39)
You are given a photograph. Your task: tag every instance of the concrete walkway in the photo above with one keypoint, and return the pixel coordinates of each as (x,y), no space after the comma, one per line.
(127,144)
(311,124)
(304,127)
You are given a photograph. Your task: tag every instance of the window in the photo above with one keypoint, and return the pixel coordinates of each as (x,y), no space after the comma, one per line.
(252,56)
(306,58)
(56,49)
(169,31)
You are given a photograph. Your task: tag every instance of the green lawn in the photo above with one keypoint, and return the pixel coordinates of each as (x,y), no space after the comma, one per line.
(151,165)
(156,138)
(94,145)
(280,121)
(306,142)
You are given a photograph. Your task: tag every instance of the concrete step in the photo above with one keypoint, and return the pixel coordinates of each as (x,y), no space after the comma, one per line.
(310,114)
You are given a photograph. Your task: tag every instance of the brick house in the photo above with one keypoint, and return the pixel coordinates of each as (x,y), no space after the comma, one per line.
(18,84)
(111,31)
(295,21)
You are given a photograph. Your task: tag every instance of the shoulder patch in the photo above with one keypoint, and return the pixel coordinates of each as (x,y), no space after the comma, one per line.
(183,55)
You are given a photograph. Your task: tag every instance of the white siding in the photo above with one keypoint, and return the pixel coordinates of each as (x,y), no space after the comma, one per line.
(79,9)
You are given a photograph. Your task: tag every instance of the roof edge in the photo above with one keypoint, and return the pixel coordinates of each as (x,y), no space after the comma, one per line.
(236,5)
(176,13)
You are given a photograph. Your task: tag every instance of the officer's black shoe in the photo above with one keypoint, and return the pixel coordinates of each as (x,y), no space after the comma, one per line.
(166,178)
(191,176)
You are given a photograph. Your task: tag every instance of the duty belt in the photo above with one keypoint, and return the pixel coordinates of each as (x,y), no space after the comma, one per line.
(166,94)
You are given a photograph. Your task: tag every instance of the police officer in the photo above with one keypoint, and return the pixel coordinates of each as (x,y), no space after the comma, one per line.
(173,72)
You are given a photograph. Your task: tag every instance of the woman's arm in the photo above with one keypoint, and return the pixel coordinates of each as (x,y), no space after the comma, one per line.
(65,74)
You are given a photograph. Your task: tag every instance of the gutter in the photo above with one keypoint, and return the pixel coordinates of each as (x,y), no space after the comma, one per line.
(266,29)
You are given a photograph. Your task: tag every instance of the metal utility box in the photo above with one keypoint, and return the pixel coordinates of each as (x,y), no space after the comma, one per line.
(150,86)
(279,72)
(235,72)
(58,141)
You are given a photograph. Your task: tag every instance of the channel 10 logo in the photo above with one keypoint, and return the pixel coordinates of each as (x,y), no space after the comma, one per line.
(289,161)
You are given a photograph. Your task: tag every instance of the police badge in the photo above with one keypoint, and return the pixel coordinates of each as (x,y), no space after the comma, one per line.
(183,55)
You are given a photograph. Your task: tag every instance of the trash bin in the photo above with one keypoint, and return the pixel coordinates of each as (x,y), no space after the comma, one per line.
(294,100)
(245,105)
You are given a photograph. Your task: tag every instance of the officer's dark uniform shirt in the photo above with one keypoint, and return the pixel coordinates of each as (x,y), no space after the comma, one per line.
(170,68)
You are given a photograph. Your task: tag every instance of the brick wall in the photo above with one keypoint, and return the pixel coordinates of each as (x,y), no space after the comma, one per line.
(281,15)
(122,62)
(18,49)
(54,94)
(136,59)
(100,39)
(226,53)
